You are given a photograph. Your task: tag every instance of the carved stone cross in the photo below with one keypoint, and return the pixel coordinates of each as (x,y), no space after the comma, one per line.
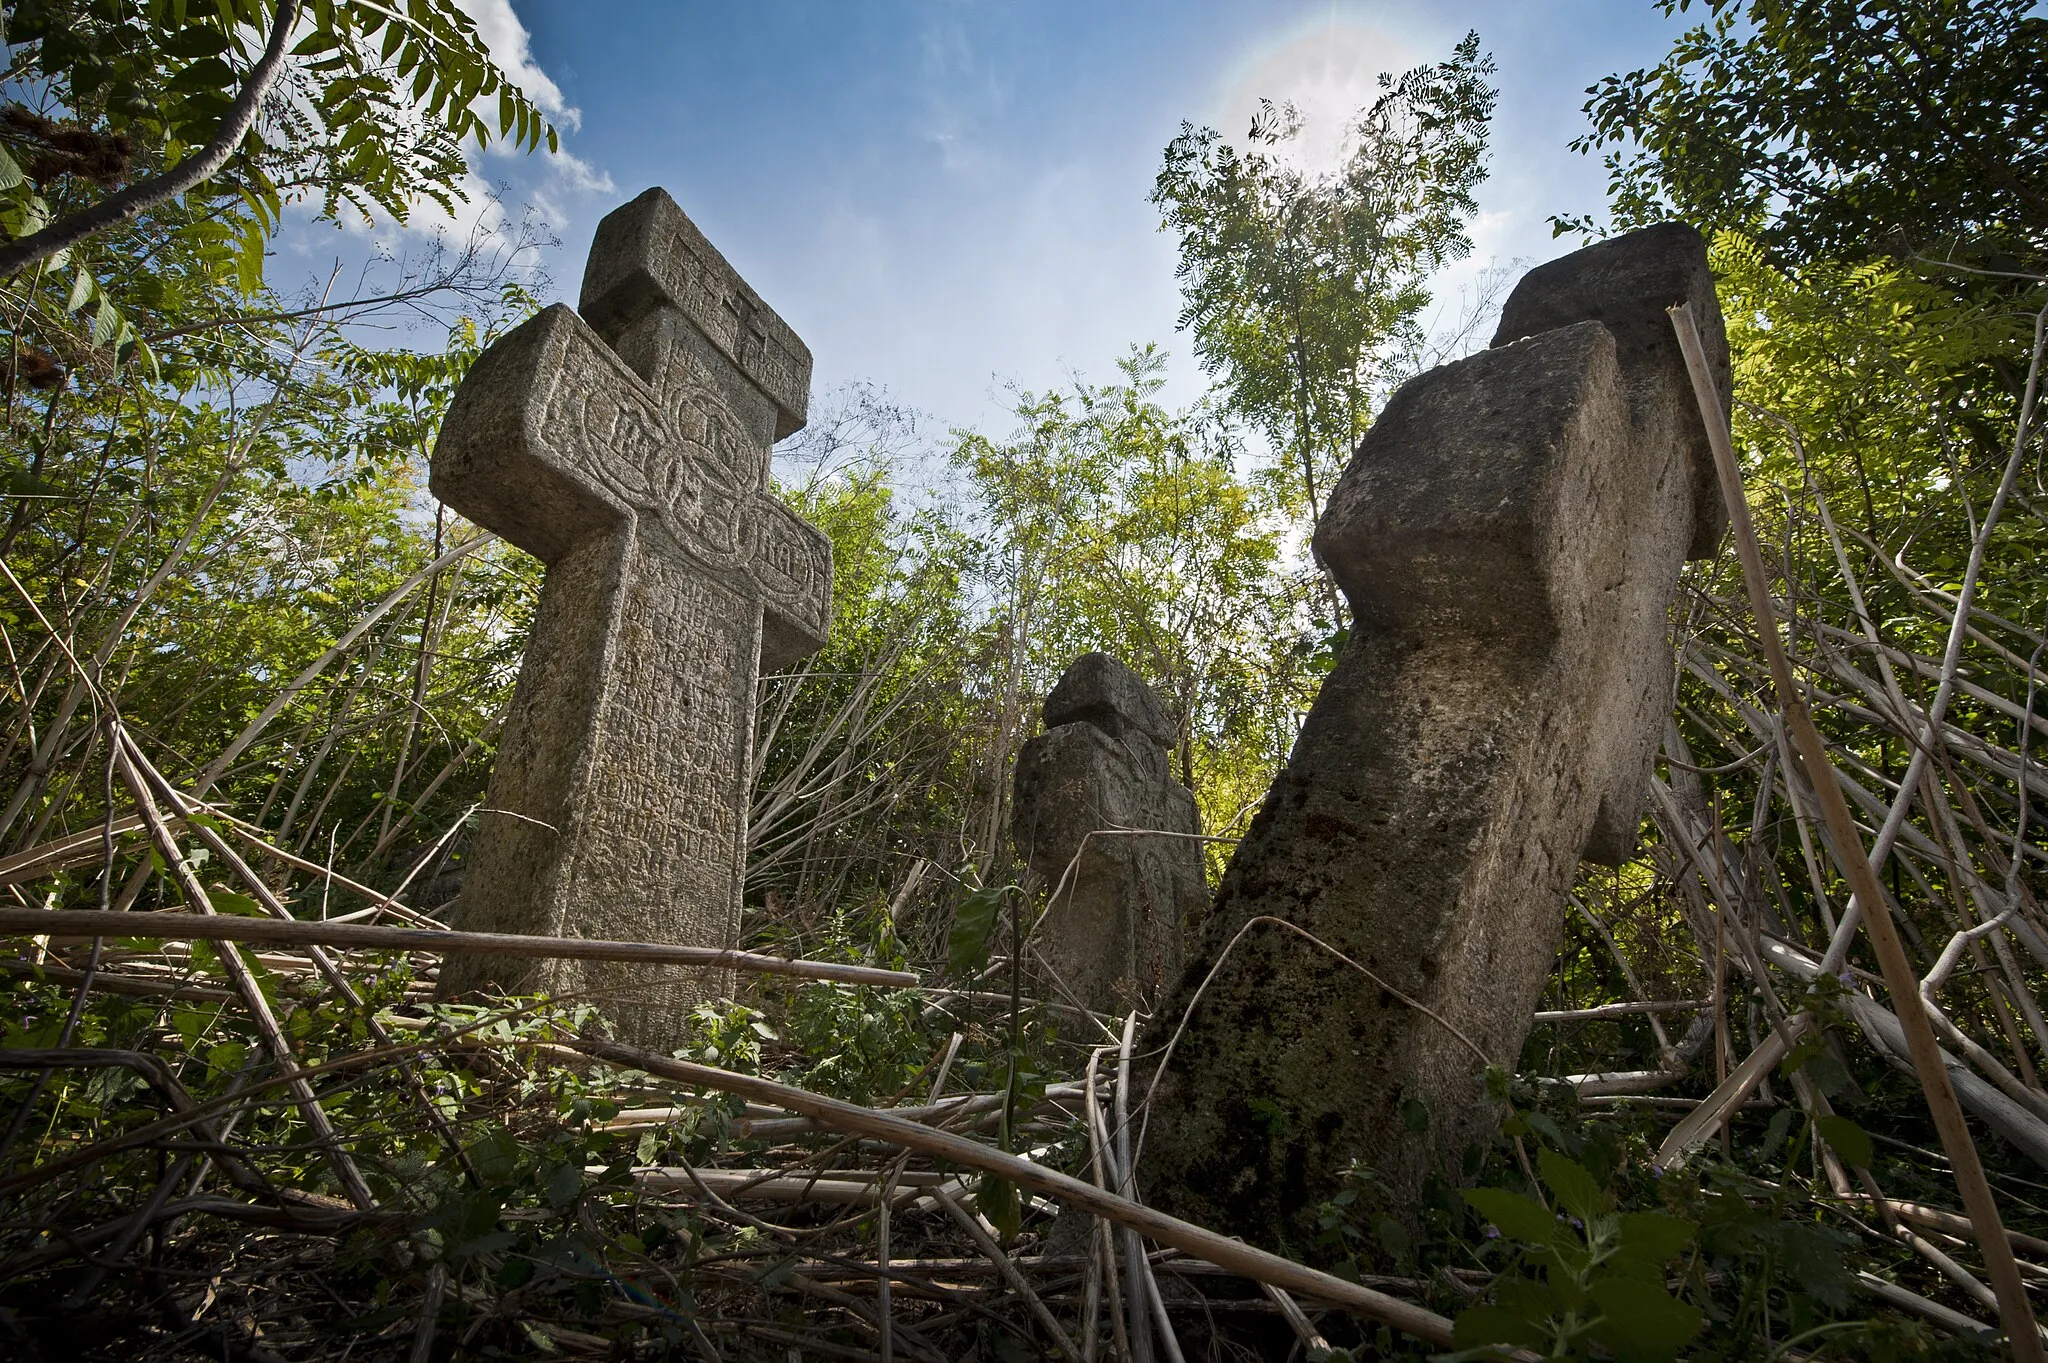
(628,450)
(1509,534)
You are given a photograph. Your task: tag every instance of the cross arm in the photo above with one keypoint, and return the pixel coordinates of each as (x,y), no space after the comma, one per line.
(792,567)
(1470,506)
(496,460)
(1626,283)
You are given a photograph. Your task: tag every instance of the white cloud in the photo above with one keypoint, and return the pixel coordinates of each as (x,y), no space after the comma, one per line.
(564,175)
(511,47)
(548,181)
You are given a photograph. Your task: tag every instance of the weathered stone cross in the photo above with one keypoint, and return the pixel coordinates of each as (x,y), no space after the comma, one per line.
(1120,904)
(1509,534)
(628,449)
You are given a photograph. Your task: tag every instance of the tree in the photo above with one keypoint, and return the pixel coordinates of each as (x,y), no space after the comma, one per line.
(186,535)
(1840,128)
(1297,285)
(112,111)
(1106,521)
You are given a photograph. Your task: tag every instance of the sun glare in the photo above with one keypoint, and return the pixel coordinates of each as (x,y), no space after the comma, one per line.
(1327,65)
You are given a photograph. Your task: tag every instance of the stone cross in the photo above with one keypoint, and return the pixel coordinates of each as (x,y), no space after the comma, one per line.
(1509,535)
(1120,904)
(627,448)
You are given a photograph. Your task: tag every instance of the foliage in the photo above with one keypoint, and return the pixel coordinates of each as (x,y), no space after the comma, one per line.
(1102,521)
(1598,1275)
(1106,522)
(1300,287)
(371,113)
(1604,1255)
(1840,129)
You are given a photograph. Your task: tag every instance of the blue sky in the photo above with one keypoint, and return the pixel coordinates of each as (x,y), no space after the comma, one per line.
(943,196)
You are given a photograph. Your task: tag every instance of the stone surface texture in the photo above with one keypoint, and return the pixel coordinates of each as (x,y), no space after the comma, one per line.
(1509,535)
(1116,920)
(1625,284)
(627,448)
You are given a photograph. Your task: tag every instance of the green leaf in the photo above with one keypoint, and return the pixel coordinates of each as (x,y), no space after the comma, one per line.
(106,322)
(193,41)
(1654,1235)
(19,484)
(1483,1325)
(1575,1188)
(1641,1321)
(206,75)
(997,1200)
(1851,1141)
(143,353)
(226,1058)
(1518,1217)
(490,1242)
(240,905)
(564,1185)
(81,290)
(974,924)
(1393,1236)
(1774,1134)
(10,173)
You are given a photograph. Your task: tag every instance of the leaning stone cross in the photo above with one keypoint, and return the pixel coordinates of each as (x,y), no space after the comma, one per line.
(627,448)
(1509,534)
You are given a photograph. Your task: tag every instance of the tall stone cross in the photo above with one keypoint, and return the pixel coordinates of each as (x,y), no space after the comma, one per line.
(1509,534)
(627,448)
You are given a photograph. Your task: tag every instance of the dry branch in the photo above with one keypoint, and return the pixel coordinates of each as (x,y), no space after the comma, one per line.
(1206,1245)
(86,923)
(2014,1309)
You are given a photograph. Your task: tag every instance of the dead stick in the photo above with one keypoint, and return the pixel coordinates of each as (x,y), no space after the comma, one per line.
(1207,1245)
(336,978)
(1138,1298)
(1947,1317)
(244,983)
(1018,1284)
(1297,1320)
(299,932)
(1616,1010)
(1901,982)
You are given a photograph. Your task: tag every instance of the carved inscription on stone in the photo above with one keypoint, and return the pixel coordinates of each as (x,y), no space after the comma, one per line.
(649,250)
(618,806)
(664,807)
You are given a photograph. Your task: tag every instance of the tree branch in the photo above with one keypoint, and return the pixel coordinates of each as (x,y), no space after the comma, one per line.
(144,195)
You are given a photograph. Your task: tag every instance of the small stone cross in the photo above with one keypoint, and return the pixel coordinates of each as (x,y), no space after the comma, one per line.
(1120,902)
(628,448)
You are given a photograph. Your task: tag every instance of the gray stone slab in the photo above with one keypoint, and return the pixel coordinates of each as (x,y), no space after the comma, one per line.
(1625,283)
(1509,535)
(1120,904)
(629,452)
